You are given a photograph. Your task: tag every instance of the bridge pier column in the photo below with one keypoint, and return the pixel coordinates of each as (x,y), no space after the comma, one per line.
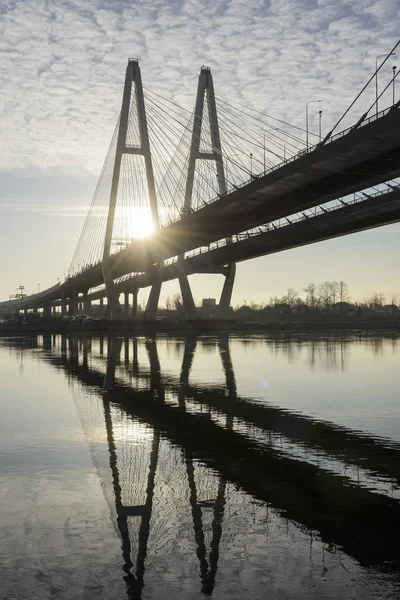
(63,306)
(154,297)
(226,295)
(87,304)
(73,304)
(134,302)
(101,307)
(47,310)
(126,303)
(187,296)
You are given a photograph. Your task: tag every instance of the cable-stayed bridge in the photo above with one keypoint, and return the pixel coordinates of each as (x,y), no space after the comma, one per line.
(193,193)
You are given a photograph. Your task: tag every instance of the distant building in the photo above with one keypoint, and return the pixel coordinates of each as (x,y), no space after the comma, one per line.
(345,308)
(300,308)
(391,309)
(282,308)
(208,302)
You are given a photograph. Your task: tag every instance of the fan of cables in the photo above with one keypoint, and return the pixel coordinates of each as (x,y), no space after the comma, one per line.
(251,143)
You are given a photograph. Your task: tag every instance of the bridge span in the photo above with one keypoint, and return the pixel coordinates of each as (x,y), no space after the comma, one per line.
(239,223)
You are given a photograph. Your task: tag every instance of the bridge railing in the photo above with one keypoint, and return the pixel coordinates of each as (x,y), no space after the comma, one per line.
(274,225)
(280,223)
(293,158)
(367,121)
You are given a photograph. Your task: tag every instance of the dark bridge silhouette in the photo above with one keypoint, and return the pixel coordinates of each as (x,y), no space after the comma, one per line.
(240,221)
(363,523)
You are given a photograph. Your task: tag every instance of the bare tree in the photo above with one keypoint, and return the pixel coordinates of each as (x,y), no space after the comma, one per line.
(177,301)
(393,299)
(168,303)
(334,291)
(343,292)
(324,294)
(376,300)
(311,295)
(273,300)
(290,297)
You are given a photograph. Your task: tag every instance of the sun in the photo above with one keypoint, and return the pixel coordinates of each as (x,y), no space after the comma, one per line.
(141,227)
(133,224)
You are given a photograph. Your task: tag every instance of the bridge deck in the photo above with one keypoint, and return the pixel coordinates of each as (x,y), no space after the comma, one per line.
(361,158)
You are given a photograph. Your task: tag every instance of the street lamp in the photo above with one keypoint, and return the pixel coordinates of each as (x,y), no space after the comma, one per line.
(394,75)
(320,120)
(376,77)
(38,288)
(309,102)
(251,164)
(21,290)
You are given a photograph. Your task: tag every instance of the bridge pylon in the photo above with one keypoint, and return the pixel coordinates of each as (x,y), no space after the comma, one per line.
(133,85)
(205,103)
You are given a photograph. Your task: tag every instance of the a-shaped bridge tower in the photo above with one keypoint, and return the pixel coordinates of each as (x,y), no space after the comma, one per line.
(133,139)
(205,133)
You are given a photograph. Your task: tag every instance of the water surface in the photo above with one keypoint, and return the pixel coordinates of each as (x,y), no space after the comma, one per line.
(181,467)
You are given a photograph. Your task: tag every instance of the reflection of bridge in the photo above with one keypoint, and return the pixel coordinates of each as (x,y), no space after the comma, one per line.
(364,524)
(206,212)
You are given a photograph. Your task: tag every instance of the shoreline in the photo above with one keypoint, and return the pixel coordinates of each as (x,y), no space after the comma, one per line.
(198,326)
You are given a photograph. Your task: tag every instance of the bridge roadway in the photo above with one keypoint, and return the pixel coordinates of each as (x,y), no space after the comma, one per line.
(350,162)
(382,209)
(364,524)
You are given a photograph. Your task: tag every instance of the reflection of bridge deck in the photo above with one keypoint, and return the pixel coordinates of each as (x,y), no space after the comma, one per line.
(363,523)
(349,446)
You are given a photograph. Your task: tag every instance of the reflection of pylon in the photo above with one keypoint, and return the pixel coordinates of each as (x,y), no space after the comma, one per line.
(134,572)
(208,569)
(132,80)
(205,91)
(134,581)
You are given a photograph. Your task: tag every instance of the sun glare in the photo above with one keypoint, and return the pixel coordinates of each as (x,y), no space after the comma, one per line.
(142,227)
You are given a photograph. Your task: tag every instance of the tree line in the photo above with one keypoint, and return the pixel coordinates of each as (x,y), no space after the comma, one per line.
(322,296)
(325,296)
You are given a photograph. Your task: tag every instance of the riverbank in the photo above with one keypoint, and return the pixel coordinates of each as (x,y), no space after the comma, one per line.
(199,326)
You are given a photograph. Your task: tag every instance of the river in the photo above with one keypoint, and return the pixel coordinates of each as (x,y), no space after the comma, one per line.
(178,467)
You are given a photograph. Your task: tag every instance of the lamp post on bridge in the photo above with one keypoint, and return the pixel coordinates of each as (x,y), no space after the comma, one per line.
(320,124)
(376,78)
(394,81)
(309,102)
(21,293)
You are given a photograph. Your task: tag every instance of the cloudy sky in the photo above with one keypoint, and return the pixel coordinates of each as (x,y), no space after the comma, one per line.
(62,69)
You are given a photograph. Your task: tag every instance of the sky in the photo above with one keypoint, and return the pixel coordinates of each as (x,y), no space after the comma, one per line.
(62,68)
